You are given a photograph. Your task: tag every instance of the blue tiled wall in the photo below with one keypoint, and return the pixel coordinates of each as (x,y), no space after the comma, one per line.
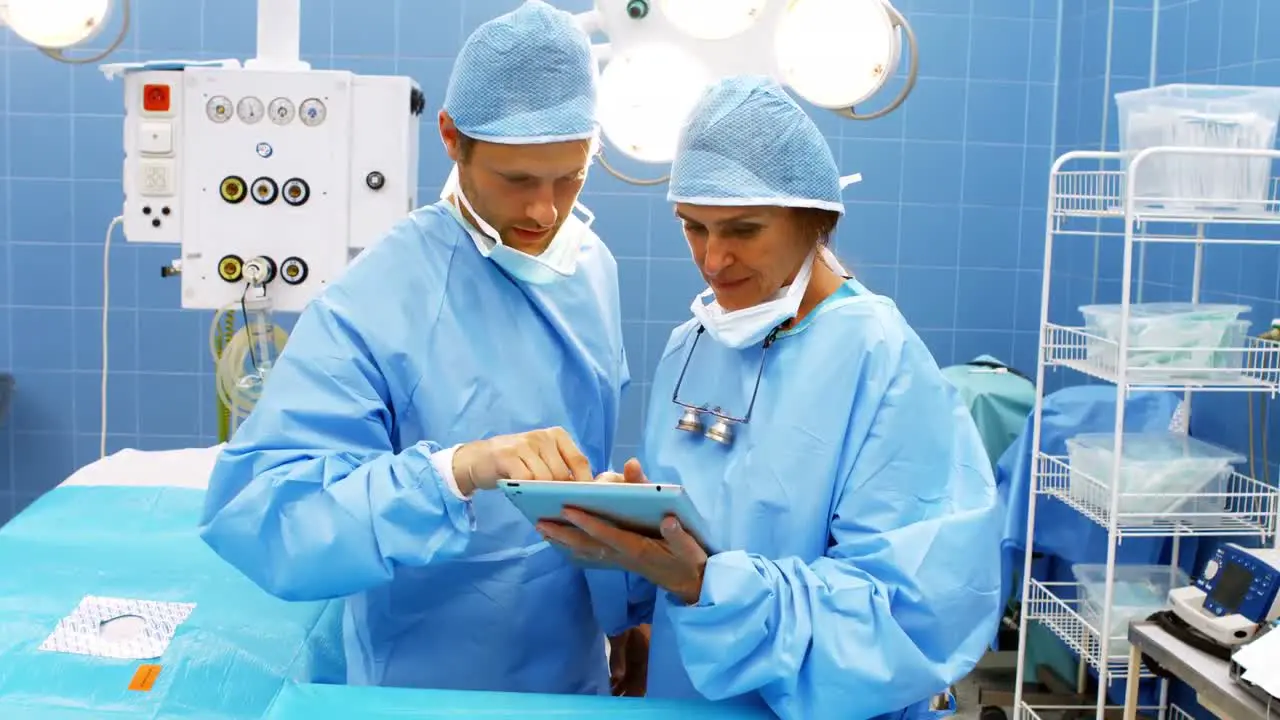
(1106,48)
(1082,91)
(949,218)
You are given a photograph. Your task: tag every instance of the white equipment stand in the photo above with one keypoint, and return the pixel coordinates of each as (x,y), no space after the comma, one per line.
(1092,199)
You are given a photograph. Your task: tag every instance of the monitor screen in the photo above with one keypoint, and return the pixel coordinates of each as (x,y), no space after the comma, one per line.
(1232,584)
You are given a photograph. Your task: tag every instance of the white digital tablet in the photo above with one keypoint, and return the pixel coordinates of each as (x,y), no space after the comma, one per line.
(637,507)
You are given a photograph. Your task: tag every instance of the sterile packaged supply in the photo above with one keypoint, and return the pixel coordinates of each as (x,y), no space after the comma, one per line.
(1194,339)
(1157,471)
(145,629)
(1137,592)
(1204,116)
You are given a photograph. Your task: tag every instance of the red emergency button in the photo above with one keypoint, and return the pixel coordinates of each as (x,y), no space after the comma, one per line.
(155,98)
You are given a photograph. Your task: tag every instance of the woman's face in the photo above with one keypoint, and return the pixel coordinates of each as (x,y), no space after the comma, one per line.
(746,254)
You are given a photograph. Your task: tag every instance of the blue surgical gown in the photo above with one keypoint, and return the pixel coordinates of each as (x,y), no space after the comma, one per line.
(328,491)
(855,518)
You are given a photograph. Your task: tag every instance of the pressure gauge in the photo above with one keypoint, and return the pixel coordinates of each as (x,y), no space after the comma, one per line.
(281,110)
(249,110)
(218,108)
(312,112)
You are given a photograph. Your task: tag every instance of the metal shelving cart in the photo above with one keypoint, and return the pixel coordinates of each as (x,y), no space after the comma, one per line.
(1092,196)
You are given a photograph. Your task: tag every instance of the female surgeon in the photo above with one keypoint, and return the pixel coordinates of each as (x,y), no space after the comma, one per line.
(851,521)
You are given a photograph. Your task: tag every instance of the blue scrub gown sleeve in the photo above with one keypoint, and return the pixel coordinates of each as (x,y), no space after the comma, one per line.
(621,600)
(906,598)
(310,499)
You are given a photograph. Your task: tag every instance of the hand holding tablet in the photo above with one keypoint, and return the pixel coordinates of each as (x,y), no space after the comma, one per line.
(637,507)
(648,529)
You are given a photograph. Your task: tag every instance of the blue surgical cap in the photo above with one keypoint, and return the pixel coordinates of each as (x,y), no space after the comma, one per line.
(525,77)
(748,143)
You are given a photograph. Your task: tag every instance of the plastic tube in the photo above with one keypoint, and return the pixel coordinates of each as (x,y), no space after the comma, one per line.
(262,347)
(238,376)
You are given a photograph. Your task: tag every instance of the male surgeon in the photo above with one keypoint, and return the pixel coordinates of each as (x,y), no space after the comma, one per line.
(479,340)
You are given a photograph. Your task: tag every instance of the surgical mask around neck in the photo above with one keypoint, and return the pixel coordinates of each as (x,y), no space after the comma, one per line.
(833,262)
(558,261)
(751,325)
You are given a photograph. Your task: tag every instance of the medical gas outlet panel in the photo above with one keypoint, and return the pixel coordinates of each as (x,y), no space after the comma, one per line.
(281,172)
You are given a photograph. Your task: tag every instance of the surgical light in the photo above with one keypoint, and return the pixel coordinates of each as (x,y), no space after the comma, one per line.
(713,19)
(55,24)
(836,54)
(645,94)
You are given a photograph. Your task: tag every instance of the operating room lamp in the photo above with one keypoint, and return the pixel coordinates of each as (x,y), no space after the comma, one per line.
(53,26)
(659,55)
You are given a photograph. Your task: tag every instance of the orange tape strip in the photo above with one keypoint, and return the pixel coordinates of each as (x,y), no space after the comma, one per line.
(145,678)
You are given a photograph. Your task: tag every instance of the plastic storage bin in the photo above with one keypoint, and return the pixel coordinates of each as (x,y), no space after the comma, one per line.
(1187,337)
(1222,495)
(1210,116)
(1233,339)
(1167,466)
(1137,592)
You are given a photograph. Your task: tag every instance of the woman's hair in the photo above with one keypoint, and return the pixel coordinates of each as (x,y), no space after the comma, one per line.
(821,225)
(817,223)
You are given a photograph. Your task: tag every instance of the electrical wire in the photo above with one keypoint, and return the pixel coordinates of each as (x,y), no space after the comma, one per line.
(1266,455)
(106,304)
(244,313)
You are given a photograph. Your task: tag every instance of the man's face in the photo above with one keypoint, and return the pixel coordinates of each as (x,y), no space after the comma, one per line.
(524,191)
